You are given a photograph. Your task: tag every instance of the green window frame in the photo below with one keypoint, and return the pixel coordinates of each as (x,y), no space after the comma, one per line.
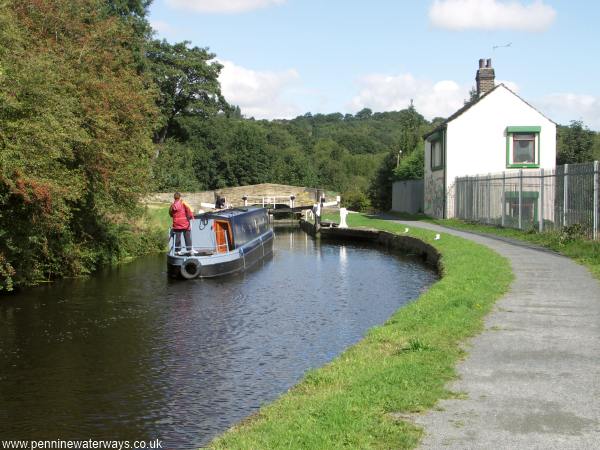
(522,134)
(436,143)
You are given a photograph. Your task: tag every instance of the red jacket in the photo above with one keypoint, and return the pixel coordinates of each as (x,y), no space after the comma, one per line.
(181,213)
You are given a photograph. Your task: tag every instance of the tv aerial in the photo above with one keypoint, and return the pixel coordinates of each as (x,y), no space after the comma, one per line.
(501,46)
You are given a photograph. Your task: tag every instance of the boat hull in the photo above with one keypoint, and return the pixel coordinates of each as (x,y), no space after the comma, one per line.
(223,264)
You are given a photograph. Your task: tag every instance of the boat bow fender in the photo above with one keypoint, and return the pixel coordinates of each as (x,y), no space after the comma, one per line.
(190,268)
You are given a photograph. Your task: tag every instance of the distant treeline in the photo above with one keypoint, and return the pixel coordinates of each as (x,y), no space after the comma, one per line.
(95,112)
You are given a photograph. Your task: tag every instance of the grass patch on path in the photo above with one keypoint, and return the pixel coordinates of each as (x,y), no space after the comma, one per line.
(565,242)
(401,367)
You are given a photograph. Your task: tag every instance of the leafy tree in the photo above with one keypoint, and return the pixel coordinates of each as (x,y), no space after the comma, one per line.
(74,137)
(364,113)
(575,143)
(411,167)
(473,96)
(187,81)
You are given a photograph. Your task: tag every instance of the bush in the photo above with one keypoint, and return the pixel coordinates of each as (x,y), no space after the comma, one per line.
(356,201)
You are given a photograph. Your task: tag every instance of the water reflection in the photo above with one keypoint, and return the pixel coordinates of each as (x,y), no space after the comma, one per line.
(129,354)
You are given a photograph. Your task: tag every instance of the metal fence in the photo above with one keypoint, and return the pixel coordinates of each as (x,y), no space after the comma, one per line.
(526,199)
(407,196)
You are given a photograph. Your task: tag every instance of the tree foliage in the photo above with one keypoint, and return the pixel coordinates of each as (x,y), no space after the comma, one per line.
(187,79)
(575,143)
(75,125)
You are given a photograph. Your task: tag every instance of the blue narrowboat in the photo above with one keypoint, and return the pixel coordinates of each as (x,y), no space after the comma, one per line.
(223,242)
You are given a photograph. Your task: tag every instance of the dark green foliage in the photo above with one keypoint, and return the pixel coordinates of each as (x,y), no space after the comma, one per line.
(356,201)
(187,81)
(575,143)
(408,141)
(412,166)
(75,123)
(336,152)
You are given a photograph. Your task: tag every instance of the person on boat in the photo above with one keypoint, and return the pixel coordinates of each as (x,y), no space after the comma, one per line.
(181,213)
(220,203)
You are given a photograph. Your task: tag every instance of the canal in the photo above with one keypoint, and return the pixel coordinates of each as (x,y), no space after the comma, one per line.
(131,355)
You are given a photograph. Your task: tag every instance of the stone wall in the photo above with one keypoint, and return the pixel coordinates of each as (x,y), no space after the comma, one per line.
(404,244)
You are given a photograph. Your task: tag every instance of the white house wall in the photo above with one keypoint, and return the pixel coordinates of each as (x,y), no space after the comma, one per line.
(476,140)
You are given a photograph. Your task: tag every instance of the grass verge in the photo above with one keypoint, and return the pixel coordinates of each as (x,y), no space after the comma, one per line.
(401,367)
(565,242)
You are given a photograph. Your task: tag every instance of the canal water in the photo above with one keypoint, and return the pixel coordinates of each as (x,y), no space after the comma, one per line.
(131,355)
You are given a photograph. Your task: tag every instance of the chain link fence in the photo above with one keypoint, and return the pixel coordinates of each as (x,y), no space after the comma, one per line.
(525,199)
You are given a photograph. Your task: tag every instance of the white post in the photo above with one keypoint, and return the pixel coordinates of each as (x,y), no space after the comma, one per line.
(541,208)
(565,194)
(596,194)
(343,214)
(520,199)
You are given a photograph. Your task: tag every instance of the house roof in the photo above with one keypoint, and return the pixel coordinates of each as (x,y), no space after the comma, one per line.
(469,105)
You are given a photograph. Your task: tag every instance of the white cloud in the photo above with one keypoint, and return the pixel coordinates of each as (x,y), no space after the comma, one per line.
(222,6)
(261,95)
(388,93)
(458,15)
(564,107)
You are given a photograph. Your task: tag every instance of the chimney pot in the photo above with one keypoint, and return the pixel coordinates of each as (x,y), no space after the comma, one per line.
(481,63)
(489,63)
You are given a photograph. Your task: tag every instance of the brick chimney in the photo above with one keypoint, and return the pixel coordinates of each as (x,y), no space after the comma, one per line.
(485,77)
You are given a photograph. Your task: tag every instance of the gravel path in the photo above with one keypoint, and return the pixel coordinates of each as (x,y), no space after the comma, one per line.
(532,378)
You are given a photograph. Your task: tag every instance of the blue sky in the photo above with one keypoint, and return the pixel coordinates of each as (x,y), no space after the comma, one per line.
(283,58)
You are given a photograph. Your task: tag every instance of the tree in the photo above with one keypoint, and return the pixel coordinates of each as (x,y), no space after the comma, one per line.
(364,113)
(74,136)
(575,143)
(411,167)
(473,96)
(187,81)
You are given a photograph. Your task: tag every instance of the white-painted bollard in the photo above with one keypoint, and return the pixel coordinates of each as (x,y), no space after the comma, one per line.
(406,230)
(437,237)
(343,214)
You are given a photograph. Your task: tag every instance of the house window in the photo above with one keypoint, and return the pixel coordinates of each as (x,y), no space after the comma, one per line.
(523,147)
(437,155)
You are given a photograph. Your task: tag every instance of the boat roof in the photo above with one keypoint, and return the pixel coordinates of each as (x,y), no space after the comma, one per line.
(230,213)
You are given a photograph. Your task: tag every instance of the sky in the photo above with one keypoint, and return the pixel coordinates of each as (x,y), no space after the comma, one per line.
(284,58)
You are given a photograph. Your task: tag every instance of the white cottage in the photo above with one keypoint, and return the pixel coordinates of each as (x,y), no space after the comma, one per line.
(497,132)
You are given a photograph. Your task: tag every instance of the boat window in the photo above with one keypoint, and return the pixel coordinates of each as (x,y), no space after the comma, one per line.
(248,227)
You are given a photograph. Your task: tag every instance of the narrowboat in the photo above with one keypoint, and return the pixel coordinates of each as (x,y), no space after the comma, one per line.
(223,242)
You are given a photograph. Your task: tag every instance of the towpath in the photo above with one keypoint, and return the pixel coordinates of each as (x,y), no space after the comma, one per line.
(532,378)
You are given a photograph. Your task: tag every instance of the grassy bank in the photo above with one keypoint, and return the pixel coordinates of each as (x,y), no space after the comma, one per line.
(567,242)
(358,400)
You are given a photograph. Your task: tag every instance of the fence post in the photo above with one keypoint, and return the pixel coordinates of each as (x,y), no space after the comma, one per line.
(503,198)
(596,189)
(489,198)
(520,199)
(541,209)
(565,194)
(456,194)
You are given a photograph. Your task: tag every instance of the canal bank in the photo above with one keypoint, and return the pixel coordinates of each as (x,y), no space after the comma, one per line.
(365,397)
